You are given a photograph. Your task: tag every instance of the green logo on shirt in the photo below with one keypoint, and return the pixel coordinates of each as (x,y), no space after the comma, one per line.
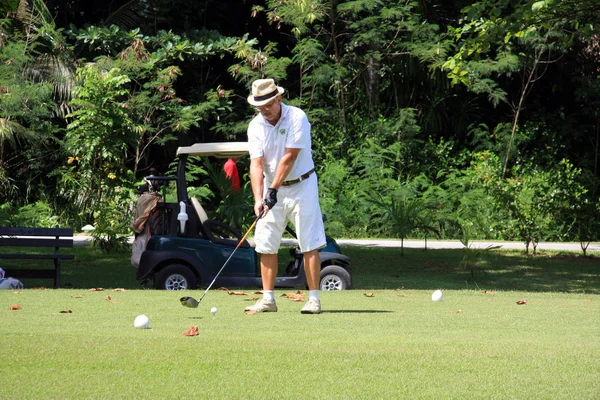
(282,131)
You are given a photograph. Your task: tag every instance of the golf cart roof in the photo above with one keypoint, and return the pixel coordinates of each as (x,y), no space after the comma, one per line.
(222,150)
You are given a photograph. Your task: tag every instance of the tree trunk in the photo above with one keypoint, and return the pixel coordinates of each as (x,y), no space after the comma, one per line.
(517,110)
(336,50)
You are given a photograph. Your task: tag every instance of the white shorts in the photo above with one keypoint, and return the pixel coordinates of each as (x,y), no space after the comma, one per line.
(298,204)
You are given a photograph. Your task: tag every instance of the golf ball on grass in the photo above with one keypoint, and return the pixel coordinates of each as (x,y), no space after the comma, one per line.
(437,296)
(141,322)
(213,311)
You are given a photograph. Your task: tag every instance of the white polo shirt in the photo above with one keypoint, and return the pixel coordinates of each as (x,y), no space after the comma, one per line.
(268,141)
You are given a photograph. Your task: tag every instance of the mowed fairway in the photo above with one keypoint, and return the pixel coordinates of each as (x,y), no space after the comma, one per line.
(394,344)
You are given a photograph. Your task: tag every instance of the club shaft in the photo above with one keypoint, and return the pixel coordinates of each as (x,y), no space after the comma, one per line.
(231,255)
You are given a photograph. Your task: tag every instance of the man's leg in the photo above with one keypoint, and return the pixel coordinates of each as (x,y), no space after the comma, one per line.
(268,271)
(312,269)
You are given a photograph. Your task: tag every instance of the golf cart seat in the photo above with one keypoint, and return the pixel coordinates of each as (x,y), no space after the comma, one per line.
(199,210)
(217,231)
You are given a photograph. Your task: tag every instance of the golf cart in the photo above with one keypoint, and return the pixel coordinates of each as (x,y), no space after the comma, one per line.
(186,248)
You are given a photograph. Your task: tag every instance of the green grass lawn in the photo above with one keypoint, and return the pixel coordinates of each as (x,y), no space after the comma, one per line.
(395,344)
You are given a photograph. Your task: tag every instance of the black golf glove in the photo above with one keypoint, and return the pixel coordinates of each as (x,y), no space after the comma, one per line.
(270,198)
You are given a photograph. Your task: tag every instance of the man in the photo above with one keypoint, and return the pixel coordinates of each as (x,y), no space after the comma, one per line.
(284,183)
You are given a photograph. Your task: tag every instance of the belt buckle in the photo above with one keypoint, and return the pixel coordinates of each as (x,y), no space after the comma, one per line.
(297,180)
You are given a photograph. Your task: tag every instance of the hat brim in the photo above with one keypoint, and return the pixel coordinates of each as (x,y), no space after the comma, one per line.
(251,100)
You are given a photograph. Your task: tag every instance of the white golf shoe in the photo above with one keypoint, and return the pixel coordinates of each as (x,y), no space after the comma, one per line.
(263,306)
(312,306)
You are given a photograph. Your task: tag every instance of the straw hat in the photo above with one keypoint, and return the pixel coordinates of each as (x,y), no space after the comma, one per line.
(263,91)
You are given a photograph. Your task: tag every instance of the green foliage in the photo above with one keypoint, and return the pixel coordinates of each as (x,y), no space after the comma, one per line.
(341,201)
(258,64)
(24,103)
(97,139)
(539,203)
(110,221)
(36,215)
(463,203)
(401,213)
(232,207)
(399,94)
(166,47)
(6,214)
(26,129)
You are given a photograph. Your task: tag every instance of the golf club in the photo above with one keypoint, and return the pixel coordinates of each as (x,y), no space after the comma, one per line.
(190,302)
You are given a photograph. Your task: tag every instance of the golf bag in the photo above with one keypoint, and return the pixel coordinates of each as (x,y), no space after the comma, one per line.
(145,224)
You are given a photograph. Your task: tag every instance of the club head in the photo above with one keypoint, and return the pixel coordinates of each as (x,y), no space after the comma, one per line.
(189,302)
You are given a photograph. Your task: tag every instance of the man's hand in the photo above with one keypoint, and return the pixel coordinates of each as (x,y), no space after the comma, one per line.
(258,207)
(270,198)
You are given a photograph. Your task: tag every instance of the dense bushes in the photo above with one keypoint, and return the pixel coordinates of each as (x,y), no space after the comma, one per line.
(470,120)
(471,200)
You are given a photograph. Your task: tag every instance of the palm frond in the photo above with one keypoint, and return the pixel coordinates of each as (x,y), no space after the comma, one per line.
(58,71)
(126,16)
(33,14)
(11,131)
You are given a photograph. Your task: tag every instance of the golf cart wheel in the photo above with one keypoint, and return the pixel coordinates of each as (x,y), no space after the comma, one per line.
(334,277)
(175,277)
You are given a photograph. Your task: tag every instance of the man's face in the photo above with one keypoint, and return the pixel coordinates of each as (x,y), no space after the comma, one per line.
(271,110)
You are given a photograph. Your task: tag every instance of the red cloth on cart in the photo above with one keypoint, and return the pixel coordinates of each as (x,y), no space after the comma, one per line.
(231,172)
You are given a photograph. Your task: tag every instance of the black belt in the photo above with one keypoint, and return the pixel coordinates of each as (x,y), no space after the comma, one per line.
(302,177)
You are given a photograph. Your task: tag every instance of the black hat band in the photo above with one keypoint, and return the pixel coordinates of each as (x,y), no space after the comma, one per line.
(266,96)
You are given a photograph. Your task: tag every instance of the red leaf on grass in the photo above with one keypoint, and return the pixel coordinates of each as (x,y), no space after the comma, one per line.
(369,295)
(521,302)
(191,331)
(298,300)
(457,311)
(588,300)
(66,312)
(259,292)
(294,296)
(237,294)
(223,288)
(15,307)
(108,298)
(97,289)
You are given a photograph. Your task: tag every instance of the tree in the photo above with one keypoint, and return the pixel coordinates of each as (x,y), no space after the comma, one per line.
(351,59)
(498,39)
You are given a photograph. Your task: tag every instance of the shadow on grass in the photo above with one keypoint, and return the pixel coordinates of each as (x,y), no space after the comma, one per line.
(377,269)
(356,311)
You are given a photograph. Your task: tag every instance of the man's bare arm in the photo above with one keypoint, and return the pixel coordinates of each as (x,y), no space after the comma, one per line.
(285,166)
(256,180)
